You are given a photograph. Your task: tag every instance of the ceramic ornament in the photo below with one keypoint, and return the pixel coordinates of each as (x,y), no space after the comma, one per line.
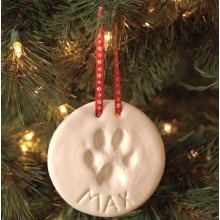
(108,165)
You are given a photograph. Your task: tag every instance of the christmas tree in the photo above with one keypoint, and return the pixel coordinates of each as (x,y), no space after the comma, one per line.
(168,56)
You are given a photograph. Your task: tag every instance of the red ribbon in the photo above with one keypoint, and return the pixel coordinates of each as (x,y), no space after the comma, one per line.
(99,76)
(117,83)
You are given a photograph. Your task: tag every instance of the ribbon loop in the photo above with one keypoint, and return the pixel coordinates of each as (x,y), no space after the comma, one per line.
(99,73)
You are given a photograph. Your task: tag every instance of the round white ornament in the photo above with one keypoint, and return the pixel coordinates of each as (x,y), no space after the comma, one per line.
(106,166)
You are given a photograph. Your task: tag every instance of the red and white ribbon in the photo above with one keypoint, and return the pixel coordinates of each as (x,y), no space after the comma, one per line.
(100,68)
(117,83)
(99,75)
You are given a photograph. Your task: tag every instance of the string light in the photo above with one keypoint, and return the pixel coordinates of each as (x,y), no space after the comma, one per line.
(63,109)
(168,128)
(107,39)
(29,135)
(192,154)
(17,46)
(188,13)
(151,9)
(38,89)
(24,148)
(68,47)
(208,158)
(28,142)
(25,145)
(209,155)
(146,24)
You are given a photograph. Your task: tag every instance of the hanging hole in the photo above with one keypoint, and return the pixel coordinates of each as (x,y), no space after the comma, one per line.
(98,114)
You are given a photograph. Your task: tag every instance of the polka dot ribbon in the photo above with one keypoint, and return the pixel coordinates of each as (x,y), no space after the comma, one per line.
(117,83)
(99,75)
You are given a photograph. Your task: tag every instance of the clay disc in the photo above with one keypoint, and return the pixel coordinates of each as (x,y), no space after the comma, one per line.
(106,166)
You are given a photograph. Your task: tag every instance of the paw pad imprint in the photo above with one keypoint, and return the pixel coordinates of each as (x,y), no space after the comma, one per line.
(111,161)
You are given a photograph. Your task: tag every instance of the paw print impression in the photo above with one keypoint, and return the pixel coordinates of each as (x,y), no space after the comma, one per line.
(112,160)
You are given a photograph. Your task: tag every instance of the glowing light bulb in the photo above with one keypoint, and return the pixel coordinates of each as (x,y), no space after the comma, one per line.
(68,48)
(209,156)
(29,142)
(146,24)
(108,35)
(63,110)
(187,14)
(151,9)
(192,154)
(38,89)
(167,128)
(24,148)
(107,39)
(28,136)
(17,46)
